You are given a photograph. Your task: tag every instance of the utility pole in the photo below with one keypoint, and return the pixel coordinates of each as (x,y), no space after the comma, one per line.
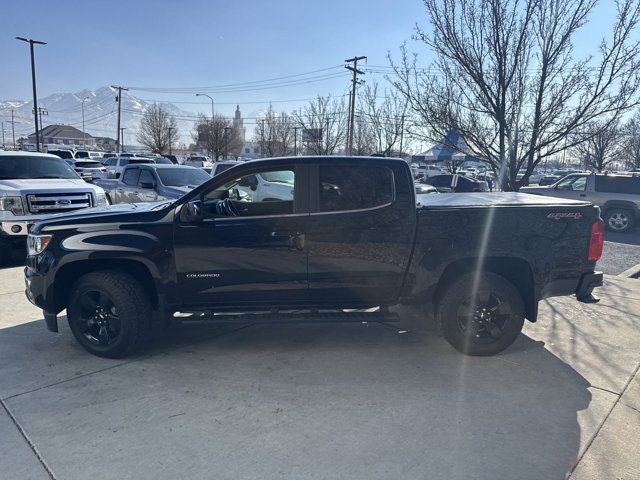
(84,135)
(41,111)
(31,42)
(119,102)
(295,141)
(226,143)
(352,106)
(13,130)
(121,136)
(169,128)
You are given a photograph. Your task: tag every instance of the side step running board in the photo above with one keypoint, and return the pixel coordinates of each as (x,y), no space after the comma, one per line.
(292,317)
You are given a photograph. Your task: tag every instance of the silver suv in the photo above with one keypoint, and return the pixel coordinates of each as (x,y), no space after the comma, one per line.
(617,195)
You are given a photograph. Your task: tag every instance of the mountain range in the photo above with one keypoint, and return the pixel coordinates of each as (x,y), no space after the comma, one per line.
(100,111)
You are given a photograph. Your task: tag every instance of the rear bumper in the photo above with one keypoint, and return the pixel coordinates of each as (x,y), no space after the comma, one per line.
(587,283)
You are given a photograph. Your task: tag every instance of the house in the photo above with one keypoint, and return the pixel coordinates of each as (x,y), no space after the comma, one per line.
(63,135)
(105,143)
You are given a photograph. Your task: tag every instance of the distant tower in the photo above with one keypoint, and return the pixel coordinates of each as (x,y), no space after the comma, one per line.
(238,124)
(237,121)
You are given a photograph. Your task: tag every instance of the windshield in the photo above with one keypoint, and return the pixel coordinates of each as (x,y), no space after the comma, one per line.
(23,168)
(162,161)
(285,176)
(182,177)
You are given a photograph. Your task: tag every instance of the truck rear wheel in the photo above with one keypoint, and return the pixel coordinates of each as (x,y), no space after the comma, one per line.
(484,321)
(109,313)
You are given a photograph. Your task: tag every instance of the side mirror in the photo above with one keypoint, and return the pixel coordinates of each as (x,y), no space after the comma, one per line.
(149,185)
(191,212)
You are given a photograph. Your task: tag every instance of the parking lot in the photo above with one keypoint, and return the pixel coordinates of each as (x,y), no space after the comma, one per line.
(326,401)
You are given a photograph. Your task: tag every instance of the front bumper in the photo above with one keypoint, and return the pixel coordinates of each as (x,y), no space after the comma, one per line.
(18,228)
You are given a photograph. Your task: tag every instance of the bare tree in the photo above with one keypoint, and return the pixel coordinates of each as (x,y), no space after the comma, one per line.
(632,142)
(505,77)
(217,136)
(364,138)
(603,145)
(324,125)
(274,133)
(385,112)
(158,129)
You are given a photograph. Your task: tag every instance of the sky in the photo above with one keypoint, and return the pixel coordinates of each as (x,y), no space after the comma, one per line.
(184,44)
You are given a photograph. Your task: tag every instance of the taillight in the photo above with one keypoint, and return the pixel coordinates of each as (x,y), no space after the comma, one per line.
(596,242)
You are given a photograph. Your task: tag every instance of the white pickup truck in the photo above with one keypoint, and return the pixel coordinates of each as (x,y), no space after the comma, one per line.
(33,186)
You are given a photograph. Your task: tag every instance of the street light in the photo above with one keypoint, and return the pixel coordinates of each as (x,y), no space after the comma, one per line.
(31,42)
(84,135)
(205,95)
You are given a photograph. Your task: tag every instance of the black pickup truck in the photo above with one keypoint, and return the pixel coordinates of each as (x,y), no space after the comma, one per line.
(348,240)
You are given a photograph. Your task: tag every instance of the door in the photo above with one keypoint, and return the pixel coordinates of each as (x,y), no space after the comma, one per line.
(245,251)
(360,233)
(126,189)
(147,186)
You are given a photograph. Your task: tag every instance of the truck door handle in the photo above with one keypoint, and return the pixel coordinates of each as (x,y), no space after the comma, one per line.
(583,194)
(294,241)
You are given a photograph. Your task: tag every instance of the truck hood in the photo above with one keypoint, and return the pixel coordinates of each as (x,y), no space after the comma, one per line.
(121,213)
(21,186)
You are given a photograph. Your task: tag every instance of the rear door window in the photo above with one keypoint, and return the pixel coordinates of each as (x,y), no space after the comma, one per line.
(611,184)
(353,187)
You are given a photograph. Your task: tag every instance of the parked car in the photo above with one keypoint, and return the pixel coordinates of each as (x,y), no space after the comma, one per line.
(350,238)
(446,183)
(618,196)
(268,187)
(534,178)
(223,166)
(33,186)
(423,189)
(108,155)
(426,171)
(64,154)
(115,165)
(89,170)
(548,179)
(152,182)
(88,154)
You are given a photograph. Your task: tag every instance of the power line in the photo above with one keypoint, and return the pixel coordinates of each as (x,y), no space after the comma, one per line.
(215,87)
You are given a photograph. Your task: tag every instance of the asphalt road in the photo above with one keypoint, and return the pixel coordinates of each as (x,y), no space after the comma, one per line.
(621,252)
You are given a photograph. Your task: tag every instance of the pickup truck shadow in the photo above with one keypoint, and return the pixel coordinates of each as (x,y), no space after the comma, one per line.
(354,398)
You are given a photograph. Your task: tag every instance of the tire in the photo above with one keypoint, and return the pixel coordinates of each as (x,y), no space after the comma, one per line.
(499,304)
(109,313)
(620,220)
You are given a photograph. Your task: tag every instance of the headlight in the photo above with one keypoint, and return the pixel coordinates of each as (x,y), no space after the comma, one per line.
(37,243)
(12,204)
(101,199)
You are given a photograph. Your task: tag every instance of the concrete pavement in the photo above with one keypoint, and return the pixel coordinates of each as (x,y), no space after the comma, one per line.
(326,401)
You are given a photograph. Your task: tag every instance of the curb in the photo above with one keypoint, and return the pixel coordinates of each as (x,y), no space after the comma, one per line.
(633,272)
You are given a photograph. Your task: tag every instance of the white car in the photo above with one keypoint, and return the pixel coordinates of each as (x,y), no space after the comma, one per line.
(33,186)
(426,171)
(534,178)
(267,186)
(222,166)
(89,154)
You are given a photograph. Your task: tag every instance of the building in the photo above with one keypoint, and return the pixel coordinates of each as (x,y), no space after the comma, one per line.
(66,135)
(63,135)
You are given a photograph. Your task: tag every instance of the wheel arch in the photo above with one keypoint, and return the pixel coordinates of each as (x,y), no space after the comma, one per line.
(516,270)
(69,273)
(623,204)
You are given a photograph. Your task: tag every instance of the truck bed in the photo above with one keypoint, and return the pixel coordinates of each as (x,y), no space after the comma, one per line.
(493,199)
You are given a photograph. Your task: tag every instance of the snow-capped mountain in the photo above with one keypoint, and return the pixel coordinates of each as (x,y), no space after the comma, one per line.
(100,112)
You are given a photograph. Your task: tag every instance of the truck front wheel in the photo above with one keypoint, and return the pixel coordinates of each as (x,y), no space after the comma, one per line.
(480,314)
(109,313)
